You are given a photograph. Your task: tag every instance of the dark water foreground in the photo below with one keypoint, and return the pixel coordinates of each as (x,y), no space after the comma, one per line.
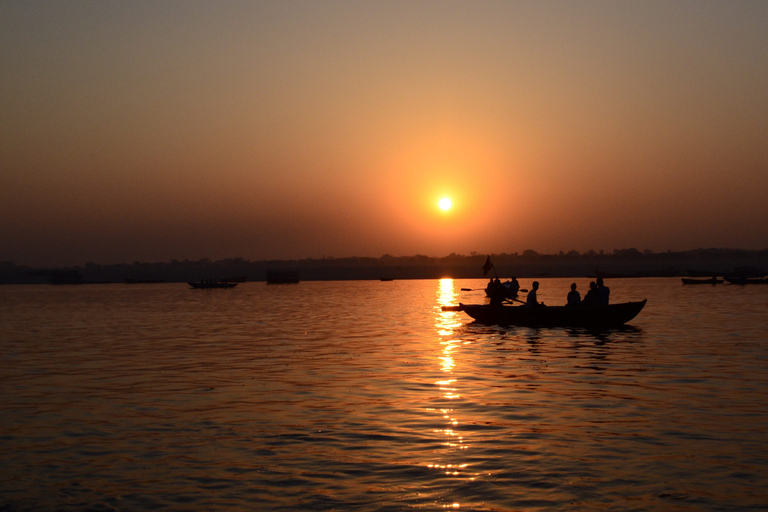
(365,396)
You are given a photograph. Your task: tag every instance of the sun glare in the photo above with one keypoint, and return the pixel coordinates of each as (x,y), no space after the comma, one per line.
(445,204)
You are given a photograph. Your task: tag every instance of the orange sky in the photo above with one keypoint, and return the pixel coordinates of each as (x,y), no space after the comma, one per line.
(167,130)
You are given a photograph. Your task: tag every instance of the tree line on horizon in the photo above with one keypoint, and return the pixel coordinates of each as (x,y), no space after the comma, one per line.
(528,255)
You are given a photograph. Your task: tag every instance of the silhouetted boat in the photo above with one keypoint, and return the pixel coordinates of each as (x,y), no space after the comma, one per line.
(711,280)
(746,280)
(66,277)
(704,273)
(551,316)
(239,279)
(207,285)
(747,275)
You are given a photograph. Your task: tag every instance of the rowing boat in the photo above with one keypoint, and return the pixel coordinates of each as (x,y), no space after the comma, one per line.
(712,280)
(207,285)
(746,280)
(611,315)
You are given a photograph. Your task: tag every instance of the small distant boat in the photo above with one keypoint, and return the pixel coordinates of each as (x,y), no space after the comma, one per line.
(746,280)
(66,277)
(239,279)
(208,284)
(612,315)
(747,275)
(705,273)
(711,280)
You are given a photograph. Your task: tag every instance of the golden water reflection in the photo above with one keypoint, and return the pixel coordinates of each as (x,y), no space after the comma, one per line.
(446,325)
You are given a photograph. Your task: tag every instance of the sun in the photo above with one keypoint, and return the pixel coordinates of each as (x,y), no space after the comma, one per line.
(445,204)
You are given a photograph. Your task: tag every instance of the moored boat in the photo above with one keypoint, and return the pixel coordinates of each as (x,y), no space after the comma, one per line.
(611,315)
(711,280)
(210,284)
(238,279)
(746,280)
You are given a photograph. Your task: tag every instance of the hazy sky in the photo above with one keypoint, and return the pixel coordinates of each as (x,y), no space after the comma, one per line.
(167,130)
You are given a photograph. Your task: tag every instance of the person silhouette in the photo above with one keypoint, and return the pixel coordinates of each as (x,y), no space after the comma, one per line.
(574,298)
(531,300)
(603,292)
(590,299)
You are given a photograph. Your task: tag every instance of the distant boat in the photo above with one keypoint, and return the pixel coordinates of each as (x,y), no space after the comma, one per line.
(239,279)
(612,315)
(711,280)
(208,284)
(66,277)
(282,278)
(704,273)
(747,275)
(746,280)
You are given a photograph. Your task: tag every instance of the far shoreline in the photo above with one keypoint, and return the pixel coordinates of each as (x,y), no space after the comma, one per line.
(626,263)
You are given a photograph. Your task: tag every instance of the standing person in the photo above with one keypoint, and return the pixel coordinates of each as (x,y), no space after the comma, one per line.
(531,301)
(590,299)
(574,298)
(603,292)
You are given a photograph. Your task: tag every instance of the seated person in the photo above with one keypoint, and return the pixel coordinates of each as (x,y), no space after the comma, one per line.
(531,300)
(574,298)
(590,299)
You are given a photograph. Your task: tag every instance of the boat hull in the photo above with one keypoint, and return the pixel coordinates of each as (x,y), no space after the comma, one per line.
(747,280)
(713,280)
(612,315)
(209,286)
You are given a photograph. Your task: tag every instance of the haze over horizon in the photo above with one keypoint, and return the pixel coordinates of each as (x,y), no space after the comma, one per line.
(153,131)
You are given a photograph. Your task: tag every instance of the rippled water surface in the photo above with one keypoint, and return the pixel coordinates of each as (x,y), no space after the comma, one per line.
(364,395)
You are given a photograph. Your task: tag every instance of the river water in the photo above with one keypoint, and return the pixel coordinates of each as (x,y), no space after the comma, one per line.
(364,395)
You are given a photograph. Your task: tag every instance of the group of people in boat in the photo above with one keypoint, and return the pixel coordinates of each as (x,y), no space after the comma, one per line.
(499,292)
(598,294)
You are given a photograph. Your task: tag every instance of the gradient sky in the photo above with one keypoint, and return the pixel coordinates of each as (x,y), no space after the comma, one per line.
(167,130)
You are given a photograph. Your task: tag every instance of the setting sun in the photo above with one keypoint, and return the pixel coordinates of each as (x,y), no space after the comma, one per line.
(445,204)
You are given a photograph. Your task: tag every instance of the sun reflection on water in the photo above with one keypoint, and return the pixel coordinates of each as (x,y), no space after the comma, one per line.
(446,324)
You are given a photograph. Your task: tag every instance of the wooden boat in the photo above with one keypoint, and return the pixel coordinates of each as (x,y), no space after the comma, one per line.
(238,279)
(711,280)
(705,273)
(551,316)
(747,275)
(746,280)
(210,284)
